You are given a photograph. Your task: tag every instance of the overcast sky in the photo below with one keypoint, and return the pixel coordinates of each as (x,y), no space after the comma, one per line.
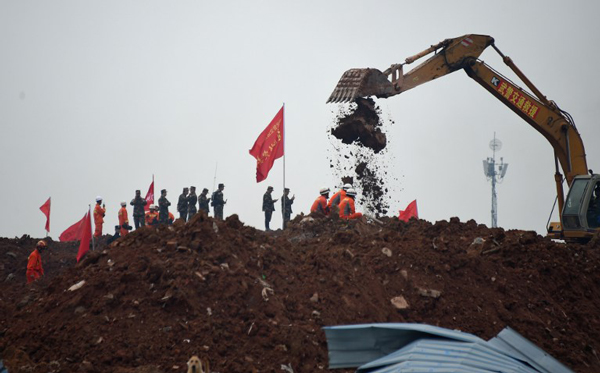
(97,96)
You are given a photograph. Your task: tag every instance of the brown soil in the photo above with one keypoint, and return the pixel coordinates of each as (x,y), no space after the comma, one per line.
(159,295)
(362,125)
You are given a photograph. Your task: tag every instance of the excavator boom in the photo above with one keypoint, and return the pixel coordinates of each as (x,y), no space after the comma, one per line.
(542,114)
(453,55)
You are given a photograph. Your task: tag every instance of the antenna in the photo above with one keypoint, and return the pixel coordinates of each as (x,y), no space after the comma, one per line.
(489,169)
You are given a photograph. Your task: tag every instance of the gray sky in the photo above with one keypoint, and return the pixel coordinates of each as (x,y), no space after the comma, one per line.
(97,96)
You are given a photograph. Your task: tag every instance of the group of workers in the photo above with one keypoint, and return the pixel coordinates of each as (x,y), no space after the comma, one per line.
(160,214)
(341,203)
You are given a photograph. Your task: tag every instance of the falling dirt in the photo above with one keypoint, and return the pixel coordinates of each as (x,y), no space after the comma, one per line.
(362,156)
(362,126)
(252,301)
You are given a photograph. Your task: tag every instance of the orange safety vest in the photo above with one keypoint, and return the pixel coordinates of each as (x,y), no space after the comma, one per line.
(99,214)
(320,205)
(337,198)
(34,266)
(347,209)
(123,219)
(151,218)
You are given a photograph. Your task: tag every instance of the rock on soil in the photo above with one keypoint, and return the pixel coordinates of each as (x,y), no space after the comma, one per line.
(254,301)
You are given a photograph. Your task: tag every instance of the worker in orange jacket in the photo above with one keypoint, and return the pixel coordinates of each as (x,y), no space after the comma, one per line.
(347,209)
(320,204)
(123,219)
(34,264)
(338,197)
(99,212)
(152,216)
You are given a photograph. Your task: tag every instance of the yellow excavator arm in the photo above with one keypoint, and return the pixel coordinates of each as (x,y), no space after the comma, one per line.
(462,54)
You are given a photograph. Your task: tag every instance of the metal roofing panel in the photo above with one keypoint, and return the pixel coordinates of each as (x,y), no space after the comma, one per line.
(428,367)
(439,353)
(519,347)
(354,345)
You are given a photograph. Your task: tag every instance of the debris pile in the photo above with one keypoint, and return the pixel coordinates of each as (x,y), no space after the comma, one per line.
(254,301)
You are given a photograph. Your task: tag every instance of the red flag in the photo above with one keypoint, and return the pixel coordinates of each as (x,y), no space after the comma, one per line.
(85,235)
(73,233)
(410,212)
(268,147)
(46,210)
(150,196)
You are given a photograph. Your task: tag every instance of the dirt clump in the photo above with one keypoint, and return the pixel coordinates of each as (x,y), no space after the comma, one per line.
(361,125)
(254,301)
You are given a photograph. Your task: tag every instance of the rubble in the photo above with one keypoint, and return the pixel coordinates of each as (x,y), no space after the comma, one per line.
(152,308)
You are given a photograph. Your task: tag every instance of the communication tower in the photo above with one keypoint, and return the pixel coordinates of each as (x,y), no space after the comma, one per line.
(494,172)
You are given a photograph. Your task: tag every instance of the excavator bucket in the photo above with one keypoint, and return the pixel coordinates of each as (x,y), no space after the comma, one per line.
(361,83)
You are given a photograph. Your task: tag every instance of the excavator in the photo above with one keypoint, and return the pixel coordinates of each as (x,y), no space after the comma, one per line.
(580,211)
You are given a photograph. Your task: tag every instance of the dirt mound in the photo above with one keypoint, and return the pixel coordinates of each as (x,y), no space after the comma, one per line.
(253,301)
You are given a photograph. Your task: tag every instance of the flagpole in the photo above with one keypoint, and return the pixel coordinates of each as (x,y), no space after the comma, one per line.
(283,197)
(90,217)
(215,178)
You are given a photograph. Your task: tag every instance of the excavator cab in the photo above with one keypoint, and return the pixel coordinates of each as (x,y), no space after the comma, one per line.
(581,213)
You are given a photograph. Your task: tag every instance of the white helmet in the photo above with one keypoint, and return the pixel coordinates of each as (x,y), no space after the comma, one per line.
(351,192)
(152,207)
(98,198)
(324,190)
(123,203)
(347,186)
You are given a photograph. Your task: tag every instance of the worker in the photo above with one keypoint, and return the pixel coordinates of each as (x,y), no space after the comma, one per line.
(320,204)
(347,209)
(337,198)
(268,206)
(34,264)
(152,216)
(123,219)
(99,212)
(203,201)
(192,199)
(593,212)
(286,206)
(138,204)
(218,203)
(115,236)
(163,207)
(182,204)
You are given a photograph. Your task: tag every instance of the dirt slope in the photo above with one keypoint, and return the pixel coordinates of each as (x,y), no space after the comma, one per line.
(251,301)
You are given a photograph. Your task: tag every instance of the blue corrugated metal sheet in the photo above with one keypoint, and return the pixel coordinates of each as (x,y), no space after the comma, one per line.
(441,354)
(354,345)
(395,348)
(519,347)
(426,367)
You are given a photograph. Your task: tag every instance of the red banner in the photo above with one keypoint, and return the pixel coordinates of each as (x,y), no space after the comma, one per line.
(46,210)
(410,212)
(150,196)
(73,233)
(268,147)
(86,236)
